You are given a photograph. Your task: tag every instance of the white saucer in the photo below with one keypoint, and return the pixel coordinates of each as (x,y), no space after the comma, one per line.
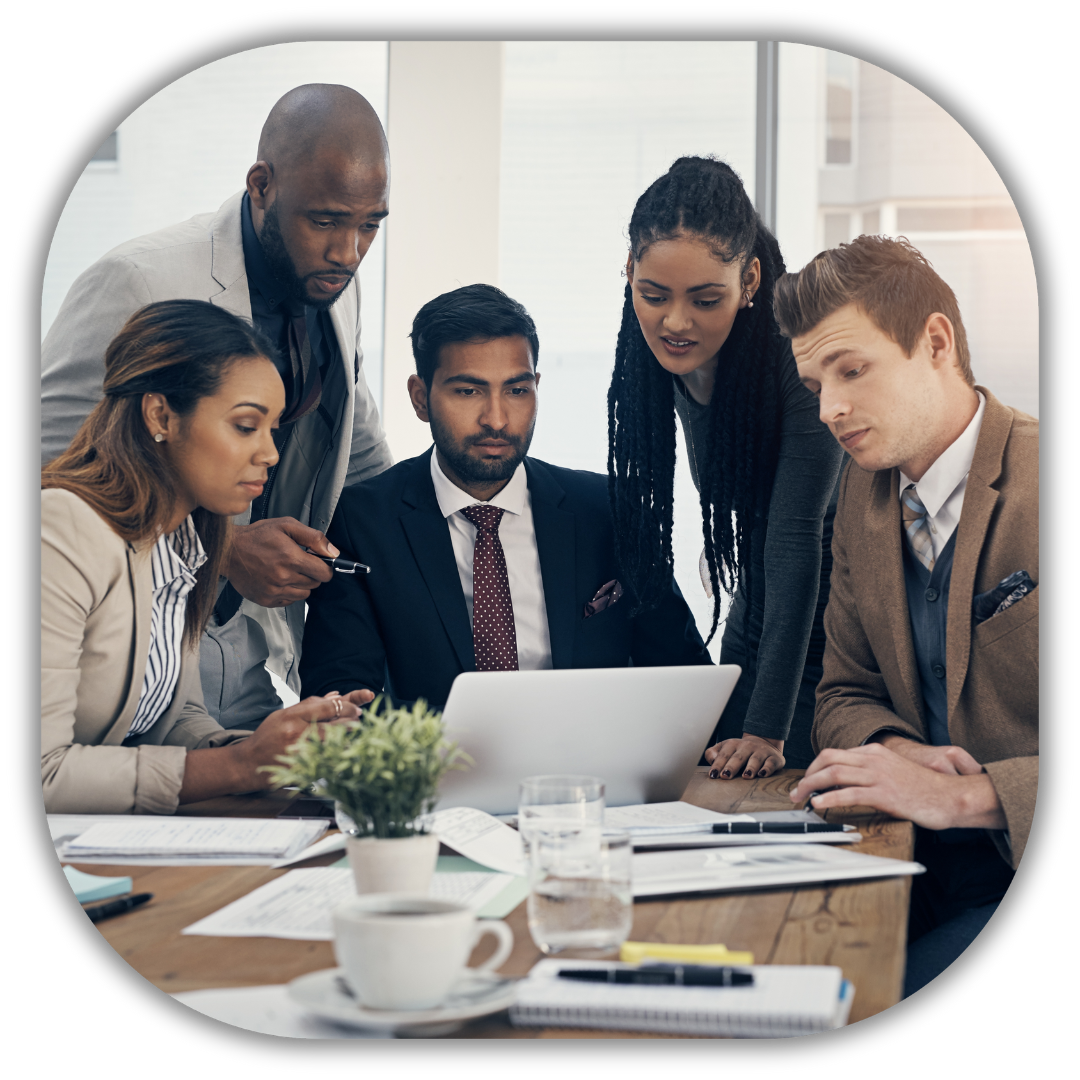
(327,994)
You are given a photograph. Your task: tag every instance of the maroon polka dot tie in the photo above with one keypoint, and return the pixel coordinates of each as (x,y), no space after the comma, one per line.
(494,637)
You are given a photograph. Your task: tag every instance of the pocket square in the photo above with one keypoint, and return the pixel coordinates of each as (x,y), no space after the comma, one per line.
(605,596)
(998,599)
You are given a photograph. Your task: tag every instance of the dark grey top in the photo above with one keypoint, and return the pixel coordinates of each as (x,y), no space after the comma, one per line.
(790,586)
(928,611)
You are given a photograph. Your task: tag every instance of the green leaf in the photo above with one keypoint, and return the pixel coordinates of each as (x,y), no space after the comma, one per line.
(384,769)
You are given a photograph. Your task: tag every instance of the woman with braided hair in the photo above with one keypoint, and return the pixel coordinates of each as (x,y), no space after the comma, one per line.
(698,339)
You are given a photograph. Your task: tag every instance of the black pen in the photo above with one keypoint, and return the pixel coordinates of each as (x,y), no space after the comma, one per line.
(342,566)
(116,907)
(663,975)
(809,798)
(780,827)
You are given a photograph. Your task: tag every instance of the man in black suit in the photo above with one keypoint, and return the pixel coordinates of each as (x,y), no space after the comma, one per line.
(481,558)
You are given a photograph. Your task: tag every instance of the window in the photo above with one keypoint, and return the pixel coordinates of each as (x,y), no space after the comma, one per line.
(837,229)
(913,219)
(839,108)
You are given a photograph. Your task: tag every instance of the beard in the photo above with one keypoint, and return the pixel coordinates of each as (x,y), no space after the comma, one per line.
(284,269)
(468,468)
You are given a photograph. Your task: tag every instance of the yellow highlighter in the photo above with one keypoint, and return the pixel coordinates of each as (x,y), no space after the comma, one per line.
(633,952)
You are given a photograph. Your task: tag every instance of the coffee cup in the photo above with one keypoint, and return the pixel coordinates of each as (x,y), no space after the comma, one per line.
(405,951)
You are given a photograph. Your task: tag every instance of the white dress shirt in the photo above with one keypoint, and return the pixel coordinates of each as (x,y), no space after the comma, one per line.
(941,490)
(518,537)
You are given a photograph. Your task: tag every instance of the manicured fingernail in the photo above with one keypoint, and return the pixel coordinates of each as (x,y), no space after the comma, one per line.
(726,774)
(748,774)
(333,550)
(713,775)
(761,772)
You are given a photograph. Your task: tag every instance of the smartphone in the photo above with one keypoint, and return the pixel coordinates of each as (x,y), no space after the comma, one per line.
(307,807)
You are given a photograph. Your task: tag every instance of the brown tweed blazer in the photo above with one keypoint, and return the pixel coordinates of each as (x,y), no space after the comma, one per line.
(871,682)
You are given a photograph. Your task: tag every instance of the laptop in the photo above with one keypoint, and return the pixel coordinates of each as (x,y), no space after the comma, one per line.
(642,730)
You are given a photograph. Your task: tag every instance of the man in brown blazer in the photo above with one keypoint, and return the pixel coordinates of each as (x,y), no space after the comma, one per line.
(928,708)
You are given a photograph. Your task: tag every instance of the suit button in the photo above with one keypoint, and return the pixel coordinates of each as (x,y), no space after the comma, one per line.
(939,671)
(931,595)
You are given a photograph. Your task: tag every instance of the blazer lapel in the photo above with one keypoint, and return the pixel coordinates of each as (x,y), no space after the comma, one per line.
(558,566)
(884,539)
(429,538)
(980,499)
(227,259)
(142,599)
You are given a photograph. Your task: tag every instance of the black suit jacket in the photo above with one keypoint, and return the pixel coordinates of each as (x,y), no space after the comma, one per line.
(404,628)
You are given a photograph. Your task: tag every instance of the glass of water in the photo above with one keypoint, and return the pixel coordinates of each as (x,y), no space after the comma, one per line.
(546,802)
(580,898)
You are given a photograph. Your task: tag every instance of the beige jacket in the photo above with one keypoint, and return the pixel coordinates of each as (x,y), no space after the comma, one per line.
(96,600)
(871,682)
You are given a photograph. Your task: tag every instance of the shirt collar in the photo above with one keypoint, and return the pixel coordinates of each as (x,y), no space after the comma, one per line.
(452,498)
(181,553)
(258,269)
(950,470)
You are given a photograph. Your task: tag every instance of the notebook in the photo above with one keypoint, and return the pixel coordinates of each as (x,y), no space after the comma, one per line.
(146,840)
(784,1001)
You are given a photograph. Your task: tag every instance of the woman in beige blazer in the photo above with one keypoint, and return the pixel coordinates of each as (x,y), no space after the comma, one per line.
(181,442)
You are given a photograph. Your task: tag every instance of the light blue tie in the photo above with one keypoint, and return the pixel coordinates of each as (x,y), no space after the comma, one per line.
(917,526)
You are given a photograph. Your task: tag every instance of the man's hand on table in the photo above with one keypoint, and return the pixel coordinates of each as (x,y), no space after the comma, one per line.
(877,776)
(752,755)
(267,562)
(951,760)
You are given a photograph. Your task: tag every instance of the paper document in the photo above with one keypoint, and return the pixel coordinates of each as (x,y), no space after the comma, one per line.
(679,824)
(325,846)
(269,1010)
(666,817)
(299,904)
(179,841)
(651,841)
(659,873)
(480,837)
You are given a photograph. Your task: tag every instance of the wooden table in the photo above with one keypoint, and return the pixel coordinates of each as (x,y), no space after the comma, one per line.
(860,927)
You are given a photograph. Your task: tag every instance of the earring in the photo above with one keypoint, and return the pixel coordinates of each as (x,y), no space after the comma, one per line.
(746,297)
(159,437)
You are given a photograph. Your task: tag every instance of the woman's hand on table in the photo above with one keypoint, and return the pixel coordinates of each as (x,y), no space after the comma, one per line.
(229,770)
(282,728)
(750,756)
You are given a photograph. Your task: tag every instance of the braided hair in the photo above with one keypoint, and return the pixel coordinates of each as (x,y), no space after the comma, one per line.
(703,199)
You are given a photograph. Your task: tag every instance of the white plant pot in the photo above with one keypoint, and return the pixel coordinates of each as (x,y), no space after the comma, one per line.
(402,865)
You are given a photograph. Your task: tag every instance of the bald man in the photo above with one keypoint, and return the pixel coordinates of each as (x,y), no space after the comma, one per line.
(283,253)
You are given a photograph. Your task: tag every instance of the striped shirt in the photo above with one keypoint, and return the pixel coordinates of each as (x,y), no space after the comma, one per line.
(173,562)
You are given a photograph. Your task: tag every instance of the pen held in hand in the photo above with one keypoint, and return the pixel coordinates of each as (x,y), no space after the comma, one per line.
(342,566)
(663,975)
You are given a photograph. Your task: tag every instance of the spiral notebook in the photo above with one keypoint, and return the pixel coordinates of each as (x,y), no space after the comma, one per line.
(784,1001)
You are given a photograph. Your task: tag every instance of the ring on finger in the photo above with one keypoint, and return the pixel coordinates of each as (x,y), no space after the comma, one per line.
(337,707)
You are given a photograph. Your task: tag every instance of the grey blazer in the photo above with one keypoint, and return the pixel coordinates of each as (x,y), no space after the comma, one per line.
(203,259)
(96,599)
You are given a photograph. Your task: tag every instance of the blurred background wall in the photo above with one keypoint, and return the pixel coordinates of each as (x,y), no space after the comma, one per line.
(518,163)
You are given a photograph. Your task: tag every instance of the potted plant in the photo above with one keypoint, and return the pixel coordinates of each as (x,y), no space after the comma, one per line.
(383,770)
